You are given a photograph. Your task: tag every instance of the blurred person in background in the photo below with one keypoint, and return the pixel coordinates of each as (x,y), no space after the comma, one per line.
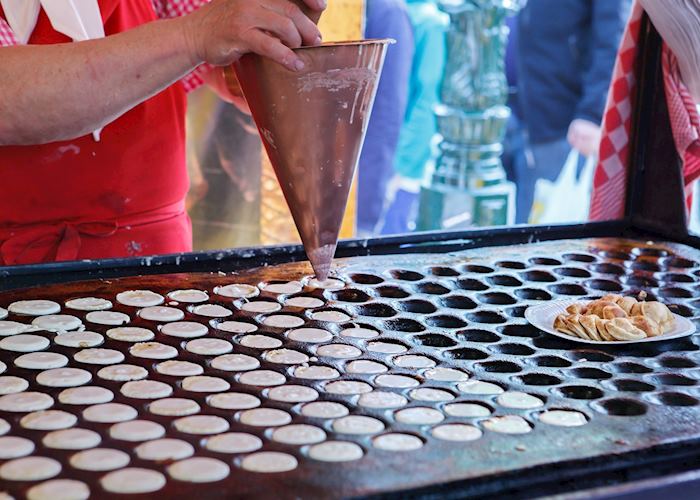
(414,149)
(385,19)
(564,55)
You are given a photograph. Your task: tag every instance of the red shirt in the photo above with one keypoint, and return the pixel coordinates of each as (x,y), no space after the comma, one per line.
(121,196)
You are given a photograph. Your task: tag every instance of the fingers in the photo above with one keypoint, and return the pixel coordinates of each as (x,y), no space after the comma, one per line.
(269,46)
(316,4)
(281,26)
(307,29)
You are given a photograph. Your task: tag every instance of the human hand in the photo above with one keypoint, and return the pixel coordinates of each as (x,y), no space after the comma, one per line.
(222,31)
(584,136)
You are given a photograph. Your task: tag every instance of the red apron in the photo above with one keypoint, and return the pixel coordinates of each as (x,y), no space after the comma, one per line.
(82,199)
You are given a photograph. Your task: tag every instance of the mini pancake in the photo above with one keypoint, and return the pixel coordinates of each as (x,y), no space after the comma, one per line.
(64,377)
(282,288)
(99,356)
(64,489)
(209,346)
(109,413)
(347,387)
(260,342)
(179,368)
(262,378)
(184,329)
(298,434)
(136,431)
(324,409)
(365,366)
(99,459)
(419,415)
(269,462)
(235,363)
(397,381)
(161,314)
(261,306)
(467,410)
(15,447)
(338,351)
(8,328)
(359,333)
(122,373)
(283,321)
(233,401)
(3,313)
(203,383)
(441,374)
(111,318)
(71,439)
(79,339)
(456,432)
(4,427)
(24,342)
(336,451)
(201,424)
(212,311)
(41,360)
(519,400)
(89,304)
(563,418)
(86,395)
(382,399)
(386,347)
(237,291)
(430,394)
(153,350)
(233,442)
(292,394)
(162,450)
(29,469)
(3,367)
(10,384)
(265,417)
(329,284)
(146,389)
(25,402)
(397,442)
(189,296)
(235,327)
(199,470)
(330,316)
(358,424)
(174,407)
(130,334)
(133,480)
(509,424)
(140,298)
(315,372)
(479,387)
(34,307)
(48,420)
(309,335)
(304,302)
(414,361)
(57,322)
(286,357)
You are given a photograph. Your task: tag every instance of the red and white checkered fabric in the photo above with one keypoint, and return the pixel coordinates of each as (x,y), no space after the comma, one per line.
(165,9)
(610,179)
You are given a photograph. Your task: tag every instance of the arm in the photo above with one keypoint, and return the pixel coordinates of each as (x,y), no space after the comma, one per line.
(56,92)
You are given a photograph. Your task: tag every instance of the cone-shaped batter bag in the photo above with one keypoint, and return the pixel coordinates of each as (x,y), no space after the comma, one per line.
(313,124)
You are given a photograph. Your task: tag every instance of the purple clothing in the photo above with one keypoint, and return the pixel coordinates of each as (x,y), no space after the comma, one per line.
(385,19)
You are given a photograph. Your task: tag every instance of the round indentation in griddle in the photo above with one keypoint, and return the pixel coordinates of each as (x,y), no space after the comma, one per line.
(476,268)
(579,257)
(513,349)
(672,379)
(673,399)
(366,279)
(483,336)
(681,310)
(590,373)
(511,264)
(522,331)
(629,385)
(645,265)
(567,289)
(500,366)
(376,310)
(677,278)
(650,251)
(443,271)
(403,325)
(496,298)
(572,272)
(616,255)
(445,321)
(486,317)
(551,342)
(457,302)
(516,312)
(350,295)
(434,340)
(620,407)
(582,392)
(533,294)
(673,362)
(591,356)
(417,306)
(608,268)
(640,281)
(675,293)
(551,362)
(405,275)
(472,285)
(628,367)
(604,285)
(504,280)
(544,261)
(538,276)
(466,353)
(679,262)
(392,292)
(432,288)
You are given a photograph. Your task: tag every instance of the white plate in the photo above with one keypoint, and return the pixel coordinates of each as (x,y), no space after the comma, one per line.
(542,316)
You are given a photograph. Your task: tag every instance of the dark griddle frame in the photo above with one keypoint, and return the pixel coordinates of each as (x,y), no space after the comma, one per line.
(655,209)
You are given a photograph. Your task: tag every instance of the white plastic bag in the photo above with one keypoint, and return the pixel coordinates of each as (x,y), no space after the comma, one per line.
(567,199)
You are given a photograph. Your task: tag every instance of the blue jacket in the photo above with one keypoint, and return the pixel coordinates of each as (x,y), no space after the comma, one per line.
(566,53)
